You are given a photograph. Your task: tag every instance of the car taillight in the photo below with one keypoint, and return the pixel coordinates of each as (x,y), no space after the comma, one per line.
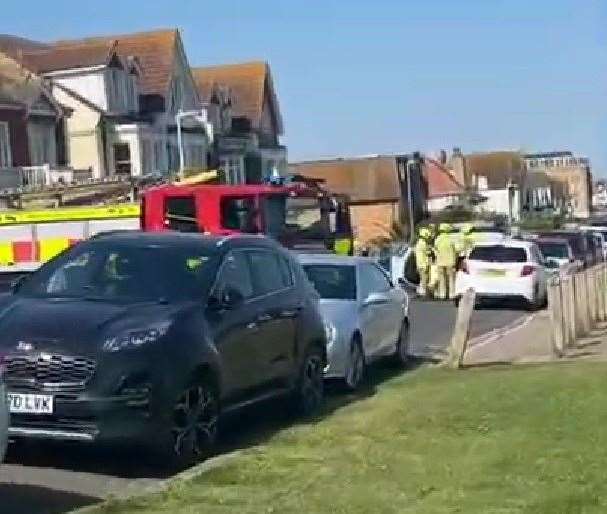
(527,270)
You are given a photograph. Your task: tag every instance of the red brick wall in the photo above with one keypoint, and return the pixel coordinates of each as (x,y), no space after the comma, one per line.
(18,135)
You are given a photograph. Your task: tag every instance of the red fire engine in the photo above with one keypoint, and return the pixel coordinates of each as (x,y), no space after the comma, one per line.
(301,215)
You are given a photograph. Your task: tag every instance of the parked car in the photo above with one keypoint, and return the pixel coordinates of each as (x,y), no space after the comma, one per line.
(366,316)
(558,254)
(150,337)
(582,249)
(601,232)
(511,269)
(3,415)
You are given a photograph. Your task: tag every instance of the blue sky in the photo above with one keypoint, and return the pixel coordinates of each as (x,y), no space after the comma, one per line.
(376,76)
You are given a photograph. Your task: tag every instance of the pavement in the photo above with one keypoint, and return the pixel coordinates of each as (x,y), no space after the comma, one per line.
(45,478)
(432,323)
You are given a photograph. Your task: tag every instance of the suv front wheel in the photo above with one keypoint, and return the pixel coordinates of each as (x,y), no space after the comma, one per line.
(194,421)
(309,390)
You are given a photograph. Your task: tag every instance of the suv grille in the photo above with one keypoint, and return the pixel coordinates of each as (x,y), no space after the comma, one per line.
(57,371)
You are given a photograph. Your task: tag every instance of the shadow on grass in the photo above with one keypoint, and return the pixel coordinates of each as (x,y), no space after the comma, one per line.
(28,499)
(264,421)
(248,427)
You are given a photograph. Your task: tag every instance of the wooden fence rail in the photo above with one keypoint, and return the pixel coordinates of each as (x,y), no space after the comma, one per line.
(576,303)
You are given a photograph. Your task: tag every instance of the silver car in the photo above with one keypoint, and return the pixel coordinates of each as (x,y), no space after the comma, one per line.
(3,417)
(365,316)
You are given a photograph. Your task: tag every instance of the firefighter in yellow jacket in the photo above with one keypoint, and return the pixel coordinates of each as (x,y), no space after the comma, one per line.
(423,248)
(446,256)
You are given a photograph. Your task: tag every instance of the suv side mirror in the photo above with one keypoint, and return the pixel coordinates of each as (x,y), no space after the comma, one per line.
(230,298)
(375,299)
(17,283)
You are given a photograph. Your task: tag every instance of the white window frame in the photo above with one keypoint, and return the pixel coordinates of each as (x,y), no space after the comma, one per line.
(233,166)
(6,157)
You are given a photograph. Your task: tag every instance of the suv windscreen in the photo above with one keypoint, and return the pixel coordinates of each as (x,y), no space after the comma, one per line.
(122,273)
(332,281)
(498,253)
(556,250)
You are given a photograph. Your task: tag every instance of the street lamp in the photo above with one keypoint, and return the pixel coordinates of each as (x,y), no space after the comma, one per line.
(201,117)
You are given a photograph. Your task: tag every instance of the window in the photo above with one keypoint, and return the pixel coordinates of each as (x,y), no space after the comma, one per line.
(234,170)
(42,144)
(6,159)
(286,271)
(114,272)
(131,93)
(173,154)
(372,280)
(498,253)
(238,214)
(180,214)
(158,157)
(334,282)
(555,250)
(235,274)
(122,158)
(146,156)
(264,267)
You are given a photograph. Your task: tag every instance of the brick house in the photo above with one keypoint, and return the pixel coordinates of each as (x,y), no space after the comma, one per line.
(247,139)
(377,198)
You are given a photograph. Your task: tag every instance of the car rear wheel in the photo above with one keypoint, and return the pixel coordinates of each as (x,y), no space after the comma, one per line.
(355,373)
(194,422)
(309,391)
(401,355)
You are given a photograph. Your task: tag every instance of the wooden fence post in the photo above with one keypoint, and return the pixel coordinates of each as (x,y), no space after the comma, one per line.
(586,303)
(578,292)
(590,277)
(567,299)
(459,339)
(555,307)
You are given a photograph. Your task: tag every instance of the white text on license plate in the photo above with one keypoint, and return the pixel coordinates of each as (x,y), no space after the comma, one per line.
(30,403)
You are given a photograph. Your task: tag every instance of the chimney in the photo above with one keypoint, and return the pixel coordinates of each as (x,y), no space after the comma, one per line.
(457,167)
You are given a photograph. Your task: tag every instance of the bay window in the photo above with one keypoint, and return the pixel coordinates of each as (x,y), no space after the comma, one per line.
(5,146)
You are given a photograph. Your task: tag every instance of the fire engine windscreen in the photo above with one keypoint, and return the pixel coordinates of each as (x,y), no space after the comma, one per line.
(299,217)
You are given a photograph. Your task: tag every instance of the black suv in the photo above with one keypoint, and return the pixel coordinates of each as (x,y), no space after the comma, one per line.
(149,337)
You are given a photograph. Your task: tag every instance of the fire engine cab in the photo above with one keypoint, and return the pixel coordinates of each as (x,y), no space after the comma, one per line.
(300,215)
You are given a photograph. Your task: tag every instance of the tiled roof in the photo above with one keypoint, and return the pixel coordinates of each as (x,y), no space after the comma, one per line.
(440,182)
(57,58)
(499,167)
(20,86)
(14,46)
(155,51)
(363,179)
(249,84)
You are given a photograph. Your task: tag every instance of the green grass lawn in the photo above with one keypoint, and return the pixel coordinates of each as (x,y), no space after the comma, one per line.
(495,440)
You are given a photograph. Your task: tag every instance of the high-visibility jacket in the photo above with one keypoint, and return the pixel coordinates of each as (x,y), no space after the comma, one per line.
(444,250)
(343,246)
(422,253)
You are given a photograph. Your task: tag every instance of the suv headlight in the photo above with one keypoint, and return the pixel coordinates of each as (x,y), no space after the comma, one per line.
(134,338)
(330,332)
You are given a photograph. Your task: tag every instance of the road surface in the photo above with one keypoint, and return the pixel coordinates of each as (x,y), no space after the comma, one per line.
(56,478)
(432,323)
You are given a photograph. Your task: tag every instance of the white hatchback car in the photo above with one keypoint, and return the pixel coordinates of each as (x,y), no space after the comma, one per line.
(510,269)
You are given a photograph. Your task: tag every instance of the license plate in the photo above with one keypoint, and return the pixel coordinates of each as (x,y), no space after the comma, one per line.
(30,403)
(494,272)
